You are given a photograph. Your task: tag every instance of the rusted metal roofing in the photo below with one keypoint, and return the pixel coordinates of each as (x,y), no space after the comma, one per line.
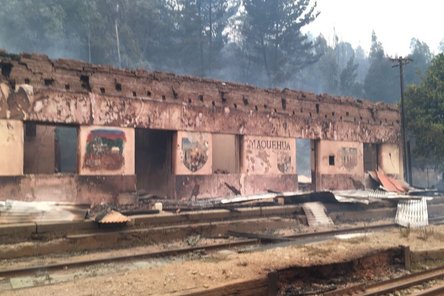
(385,182)
(390,184)
(113,217)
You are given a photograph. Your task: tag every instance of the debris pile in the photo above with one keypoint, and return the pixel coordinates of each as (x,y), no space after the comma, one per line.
(13,211)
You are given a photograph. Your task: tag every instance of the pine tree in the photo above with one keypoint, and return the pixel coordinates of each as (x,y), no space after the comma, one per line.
(200,33)
(421,57)
(348,85)
(272,36)
(381,82)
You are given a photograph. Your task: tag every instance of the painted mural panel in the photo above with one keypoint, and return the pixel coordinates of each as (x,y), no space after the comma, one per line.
(106,151)
(265,155)
(11,147)
(193,153)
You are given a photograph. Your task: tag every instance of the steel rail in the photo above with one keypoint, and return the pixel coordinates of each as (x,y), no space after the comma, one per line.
(250,241)
(143,255)
(391,285)
(434,291)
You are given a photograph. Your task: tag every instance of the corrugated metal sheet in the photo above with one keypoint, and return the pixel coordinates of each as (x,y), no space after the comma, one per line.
(389,184)
(412,213)
(13,211)
(113,217)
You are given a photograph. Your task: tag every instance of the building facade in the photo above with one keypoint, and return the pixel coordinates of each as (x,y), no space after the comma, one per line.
(73,131)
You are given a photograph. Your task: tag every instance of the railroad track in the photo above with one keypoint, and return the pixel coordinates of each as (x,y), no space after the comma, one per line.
(263,286)
(400,283)
(435,291)
(249,240)
(143,255)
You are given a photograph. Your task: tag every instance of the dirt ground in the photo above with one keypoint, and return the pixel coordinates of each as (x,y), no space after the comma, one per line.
(176,277)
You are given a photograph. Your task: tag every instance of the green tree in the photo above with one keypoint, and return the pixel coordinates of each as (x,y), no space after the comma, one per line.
(328,67)
(147,29)
(336,71)
(200,33)
(33,26)
(425,114)
(272,37)
(421,58)
(382,81)
(363,64)
(348,85)
(86,30)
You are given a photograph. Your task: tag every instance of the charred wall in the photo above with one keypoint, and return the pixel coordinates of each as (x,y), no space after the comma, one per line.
(66,188)
(144,116)
(37,88)
(39,149)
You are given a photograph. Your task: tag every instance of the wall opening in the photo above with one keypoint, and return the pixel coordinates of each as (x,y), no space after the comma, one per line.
(84,79)
(304,163)
(6,69)
(66,149)
(154,161)
(30,130)
(370,157)
(331,160)
(226,154)
(50,149)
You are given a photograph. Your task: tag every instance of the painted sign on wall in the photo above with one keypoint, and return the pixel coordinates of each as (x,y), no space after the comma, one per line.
(106,150)
(349,157)
(265,155)
(193,153)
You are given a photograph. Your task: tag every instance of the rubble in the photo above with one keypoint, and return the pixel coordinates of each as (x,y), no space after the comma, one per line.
(14,211)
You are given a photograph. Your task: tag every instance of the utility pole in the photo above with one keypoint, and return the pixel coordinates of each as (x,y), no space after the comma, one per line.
(400,62)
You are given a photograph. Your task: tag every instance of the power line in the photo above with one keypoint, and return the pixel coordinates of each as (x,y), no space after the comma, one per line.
(116,24)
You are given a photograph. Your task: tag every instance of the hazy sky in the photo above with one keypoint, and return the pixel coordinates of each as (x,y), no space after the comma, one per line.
(395,22)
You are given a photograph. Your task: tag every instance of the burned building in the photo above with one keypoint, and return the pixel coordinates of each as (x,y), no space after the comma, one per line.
(73,131)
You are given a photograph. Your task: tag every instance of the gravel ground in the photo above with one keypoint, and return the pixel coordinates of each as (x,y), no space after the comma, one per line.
(196,272)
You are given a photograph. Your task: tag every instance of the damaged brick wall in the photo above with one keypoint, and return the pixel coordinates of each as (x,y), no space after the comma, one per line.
(35,88)
(39,155)
(340,165)
(64,91)
(66,188)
